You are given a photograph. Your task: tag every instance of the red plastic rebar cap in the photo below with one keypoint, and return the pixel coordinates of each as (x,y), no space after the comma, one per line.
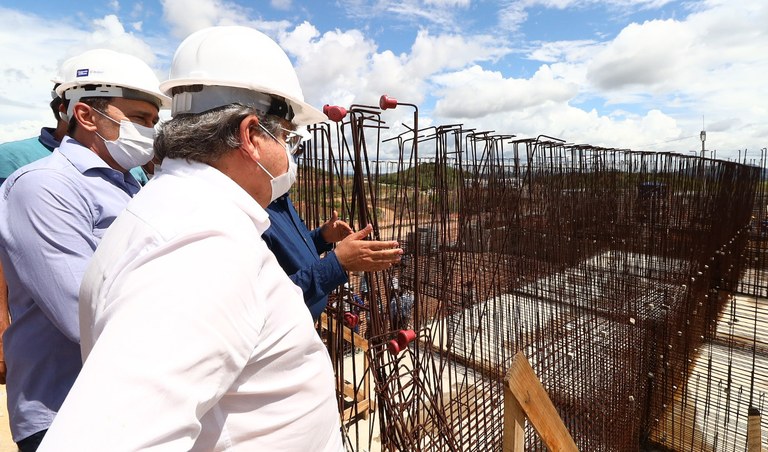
(394,347)
(351,319)
(334,112)
(404,337)
(386,102)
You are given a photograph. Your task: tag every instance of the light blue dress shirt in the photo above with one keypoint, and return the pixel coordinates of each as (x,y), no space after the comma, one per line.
(53,213)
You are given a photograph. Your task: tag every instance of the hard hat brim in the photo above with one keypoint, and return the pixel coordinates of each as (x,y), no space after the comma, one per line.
(304,113)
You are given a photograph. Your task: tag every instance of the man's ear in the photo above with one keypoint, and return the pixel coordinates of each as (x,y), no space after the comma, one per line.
(250,137)
(84,115)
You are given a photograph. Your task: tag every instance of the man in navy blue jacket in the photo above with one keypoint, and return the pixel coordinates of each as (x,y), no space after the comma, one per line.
(298,251)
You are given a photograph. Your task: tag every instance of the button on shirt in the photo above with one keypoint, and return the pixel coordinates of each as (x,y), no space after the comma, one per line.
(298,251)
(53,213)
(193,337)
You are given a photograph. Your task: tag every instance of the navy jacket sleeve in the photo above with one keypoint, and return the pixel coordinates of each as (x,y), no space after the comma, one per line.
(320,244)
(318,280)
(298,252)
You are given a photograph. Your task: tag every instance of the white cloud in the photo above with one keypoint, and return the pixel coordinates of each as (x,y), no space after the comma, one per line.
(709,64)
(563,51)
(29,64)
(137,10)
(511,15)
(477,93)
(343,67)
(588,127)
(333,67)
(619,4)
(650,83)
(430,54)
(109,32)
(440,13)
(187,16)
(448,3)
(283,5)
(655,53)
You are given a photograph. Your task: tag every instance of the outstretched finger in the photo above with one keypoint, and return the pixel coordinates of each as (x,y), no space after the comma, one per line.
(344,226)
(378,245)
(362,233)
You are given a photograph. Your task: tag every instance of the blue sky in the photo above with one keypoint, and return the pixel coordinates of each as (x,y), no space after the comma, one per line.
(639,74)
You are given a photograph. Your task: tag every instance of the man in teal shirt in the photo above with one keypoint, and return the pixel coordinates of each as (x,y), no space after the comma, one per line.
(15,154)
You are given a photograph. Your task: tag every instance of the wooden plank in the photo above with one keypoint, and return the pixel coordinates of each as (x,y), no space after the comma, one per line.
(367,378)
(356,411)
(362,404)
(754,440)
(538,408)
(513,438)
(348,389)
(350,336)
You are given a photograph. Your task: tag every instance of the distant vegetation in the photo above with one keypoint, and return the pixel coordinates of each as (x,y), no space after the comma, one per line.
(427,177)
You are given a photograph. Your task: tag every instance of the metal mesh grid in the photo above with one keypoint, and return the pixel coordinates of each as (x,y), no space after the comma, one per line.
(609,268)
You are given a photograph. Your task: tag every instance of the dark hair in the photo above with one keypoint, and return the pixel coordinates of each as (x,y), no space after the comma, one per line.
(56,102)
(98,103)
(207,136)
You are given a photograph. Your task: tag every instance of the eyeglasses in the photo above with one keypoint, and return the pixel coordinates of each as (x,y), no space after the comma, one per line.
(292,139)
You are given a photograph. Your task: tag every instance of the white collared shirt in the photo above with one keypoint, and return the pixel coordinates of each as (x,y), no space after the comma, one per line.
(193,337)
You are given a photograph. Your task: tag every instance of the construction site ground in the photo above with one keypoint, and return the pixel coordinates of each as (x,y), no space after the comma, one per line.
(728,331)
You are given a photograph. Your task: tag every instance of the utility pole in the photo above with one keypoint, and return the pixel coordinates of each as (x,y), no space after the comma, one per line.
(703,136)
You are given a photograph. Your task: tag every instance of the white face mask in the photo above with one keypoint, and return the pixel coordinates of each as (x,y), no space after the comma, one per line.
(282,183)
(133,146)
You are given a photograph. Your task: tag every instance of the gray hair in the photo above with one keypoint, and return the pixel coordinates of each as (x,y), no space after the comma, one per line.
(205,137)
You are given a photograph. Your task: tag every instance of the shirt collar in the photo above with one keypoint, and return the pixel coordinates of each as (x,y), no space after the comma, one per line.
(201,171)
(81,157)
(84,159)
(47,139)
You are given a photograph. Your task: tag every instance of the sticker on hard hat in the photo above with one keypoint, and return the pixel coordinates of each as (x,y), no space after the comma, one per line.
(82,73)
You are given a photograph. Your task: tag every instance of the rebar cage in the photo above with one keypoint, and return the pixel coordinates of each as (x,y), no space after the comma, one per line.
(630,280)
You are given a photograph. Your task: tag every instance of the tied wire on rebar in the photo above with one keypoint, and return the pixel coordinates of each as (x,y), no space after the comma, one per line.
(621,275)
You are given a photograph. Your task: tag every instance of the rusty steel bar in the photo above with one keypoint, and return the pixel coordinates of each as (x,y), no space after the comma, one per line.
(634,283)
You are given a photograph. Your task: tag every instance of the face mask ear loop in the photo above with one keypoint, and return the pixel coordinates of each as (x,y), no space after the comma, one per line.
(106,116)
(265,170)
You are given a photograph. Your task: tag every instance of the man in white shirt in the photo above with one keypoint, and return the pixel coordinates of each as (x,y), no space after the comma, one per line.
(193,337)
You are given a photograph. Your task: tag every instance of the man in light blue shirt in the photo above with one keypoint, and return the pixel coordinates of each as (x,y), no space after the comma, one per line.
(53,213)
(14,155)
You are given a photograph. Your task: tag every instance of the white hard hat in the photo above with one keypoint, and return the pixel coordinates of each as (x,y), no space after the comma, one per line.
(106,73)
(233,64)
